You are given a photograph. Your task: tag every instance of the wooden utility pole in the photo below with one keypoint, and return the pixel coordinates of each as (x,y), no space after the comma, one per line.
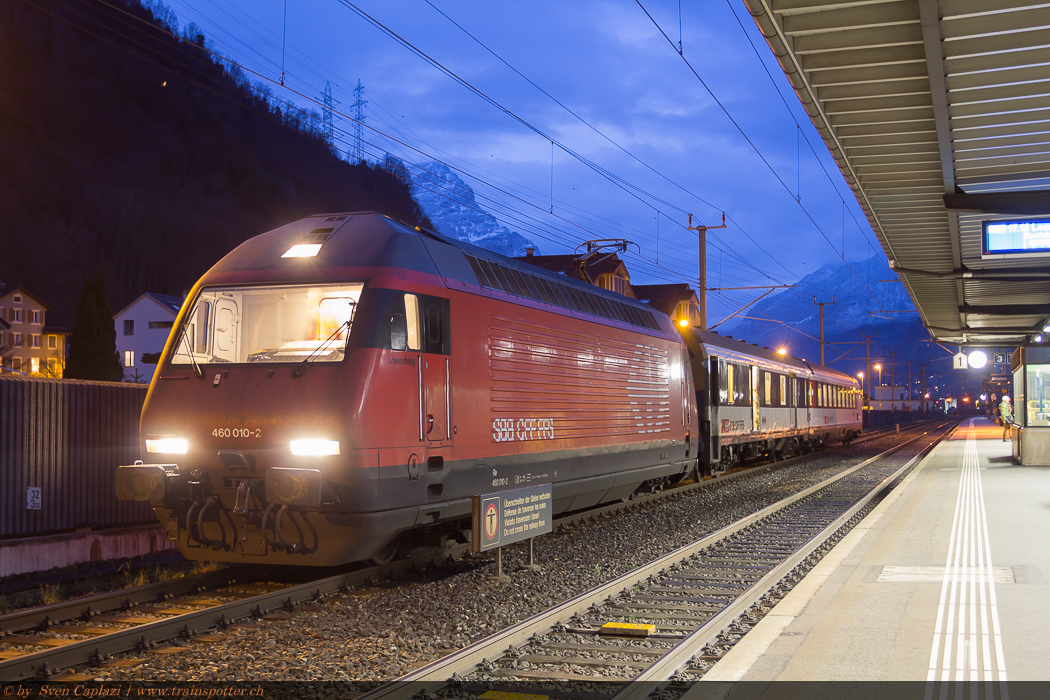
(922,372)
(867,365)
(822,304)
(909,386)
(893,388)
(702,288)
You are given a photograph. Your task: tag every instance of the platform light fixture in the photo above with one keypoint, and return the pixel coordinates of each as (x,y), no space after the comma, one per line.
(683,323)
(977,359)
(782,351)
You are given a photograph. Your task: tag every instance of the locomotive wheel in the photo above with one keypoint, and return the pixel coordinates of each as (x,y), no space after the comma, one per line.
(385,555)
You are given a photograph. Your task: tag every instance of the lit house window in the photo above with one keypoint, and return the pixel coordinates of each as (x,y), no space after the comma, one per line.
(129,357)
(687,310)
(129,328)
(614,283)
(34,365)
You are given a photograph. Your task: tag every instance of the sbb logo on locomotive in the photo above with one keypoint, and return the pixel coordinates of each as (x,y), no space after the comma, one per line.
(522,429)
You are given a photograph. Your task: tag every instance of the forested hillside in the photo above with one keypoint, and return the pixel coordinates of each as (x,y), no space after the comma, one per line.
(125,148)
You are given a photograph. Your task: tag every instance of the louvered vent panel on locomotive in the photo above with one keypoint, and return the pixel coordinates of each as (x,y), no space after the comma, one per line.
(548,383)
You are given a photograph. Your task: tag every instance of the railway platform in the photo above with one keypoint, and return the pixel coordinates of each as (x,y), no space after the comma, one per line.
(945,582)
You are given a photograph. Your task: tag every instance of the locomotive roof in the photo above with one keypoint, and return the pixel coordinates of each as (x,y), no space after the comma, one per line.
(739,350)
(369,239)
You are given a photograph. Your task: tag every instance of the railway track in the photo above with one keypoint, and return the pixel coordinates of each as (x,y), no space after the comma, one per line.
(42,642)
(661,621)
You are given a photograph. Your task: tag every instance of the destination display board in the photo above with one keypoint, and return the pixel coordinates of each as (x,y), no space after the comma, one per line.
(1016,237)
(511,516)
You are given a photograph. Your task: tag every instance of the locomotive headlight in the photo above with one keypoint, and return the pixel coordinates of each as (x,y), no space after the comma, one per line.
(315,448)
(167,446)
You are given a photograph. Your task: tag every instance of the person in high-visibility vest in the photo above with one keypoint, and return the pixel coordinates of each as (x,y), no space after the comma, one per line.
(1006,414)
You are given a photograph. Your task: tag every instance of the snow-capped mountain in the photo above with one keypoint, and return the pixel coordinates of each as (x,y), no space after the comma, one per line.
(452,208)
(862,305)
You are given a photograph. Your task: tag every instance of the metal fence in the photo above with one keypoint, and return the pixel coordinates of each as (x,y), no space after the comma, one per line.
(61,441)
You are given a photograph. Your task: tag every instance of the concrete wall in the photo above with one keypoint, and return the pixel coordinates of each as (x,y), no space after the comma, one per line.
(20,556)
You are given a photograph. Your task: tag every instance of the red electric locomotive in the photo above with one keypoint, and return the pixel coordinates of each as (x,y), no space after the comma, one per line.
(342,386)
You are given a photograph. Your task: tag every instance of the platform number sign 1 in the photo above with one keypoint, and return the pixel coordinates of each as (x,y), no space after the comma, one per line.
(33,498)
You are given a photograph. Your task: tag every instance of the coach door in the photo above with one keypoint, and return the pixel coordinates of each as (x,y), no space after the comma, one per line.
(794,384)
(756,405)
(436,370)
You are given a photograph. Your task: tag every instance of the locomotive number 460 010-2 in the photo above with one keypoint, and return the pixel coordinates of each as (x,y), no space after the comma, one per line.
(236,432)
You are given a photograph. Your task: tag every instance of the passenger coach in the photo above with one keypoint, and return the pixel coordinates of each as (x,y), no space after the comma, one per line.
(753,401)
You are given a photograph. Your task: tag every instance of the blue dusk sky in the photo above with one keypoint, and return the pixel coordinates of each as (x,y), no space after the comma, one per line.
(639,142)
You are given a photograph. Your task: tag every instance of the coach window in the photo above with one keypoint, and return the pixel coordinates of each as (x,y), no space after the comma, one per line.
(725,383)
(783,390)
(412,321)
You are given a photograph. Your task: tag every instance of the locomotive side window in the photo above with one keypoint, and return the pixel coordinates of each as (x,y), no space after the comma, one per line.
(286,323)
(199,328)
(412,334)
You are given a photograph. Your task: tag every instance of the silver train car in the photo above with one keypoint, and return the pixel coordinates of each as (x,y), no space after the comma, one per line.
(754,402)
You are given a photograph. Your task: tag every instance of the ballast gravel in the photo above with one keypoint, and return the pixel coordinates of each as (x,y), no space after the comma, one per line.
(392,627)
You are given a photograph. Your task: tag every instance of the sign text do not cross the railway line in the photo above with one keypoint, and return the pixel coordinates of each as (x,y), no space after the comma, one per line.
(511,516)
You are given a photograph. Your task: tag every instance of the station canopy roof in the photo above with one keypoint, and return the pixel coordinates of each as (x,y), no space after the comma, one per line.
(938,114)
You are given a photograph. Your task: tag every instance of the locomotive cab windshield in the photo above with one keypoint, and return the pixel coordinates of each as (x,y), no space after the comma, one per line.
(271,324)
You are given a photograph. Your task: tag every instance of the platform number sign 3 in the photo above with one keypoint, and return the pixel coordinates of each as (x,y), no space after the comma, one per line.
(33,498)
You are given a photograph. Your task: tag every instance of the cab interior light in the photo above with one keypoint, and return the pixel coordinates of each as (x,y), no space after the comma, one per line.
(302,250)
(315,448)
(168,446)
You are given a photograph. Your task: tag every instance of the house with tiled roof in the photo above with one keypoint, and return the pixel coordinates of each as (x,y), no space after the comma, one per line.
(604,270)
(679,301)
(142,330)
(27,343)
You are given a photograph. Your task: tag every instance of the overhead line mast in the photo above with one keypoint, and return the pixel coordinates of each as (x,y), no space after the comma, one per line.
(702,288)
